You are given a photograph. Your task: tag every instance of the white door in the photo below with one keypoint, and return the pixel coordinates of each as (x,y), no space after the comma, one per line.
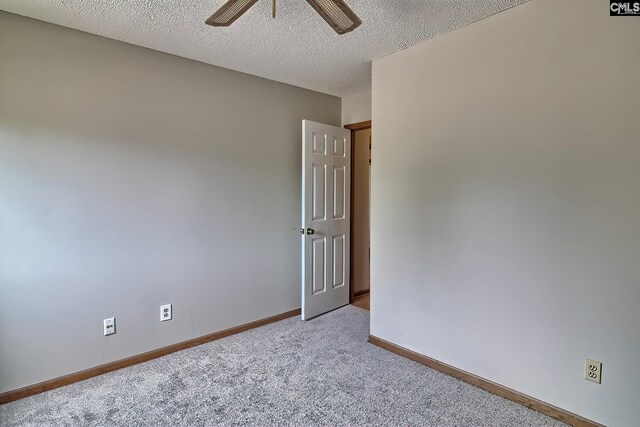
(326,184)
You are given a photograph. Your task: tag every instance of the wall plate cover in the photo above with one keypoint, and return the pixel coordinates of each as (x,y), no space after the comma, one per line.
(593,371)
(109,326)
(165,312)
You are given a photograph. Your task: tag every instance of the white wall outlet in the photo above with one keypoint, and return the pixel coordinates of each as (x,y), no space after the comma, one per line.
(593,371)
(109,326)
(165,312)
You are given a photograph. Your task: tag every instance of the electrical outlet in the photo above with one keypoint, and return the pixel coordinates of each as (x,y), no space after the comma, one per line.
(593,371)
(165,312)
(109,326)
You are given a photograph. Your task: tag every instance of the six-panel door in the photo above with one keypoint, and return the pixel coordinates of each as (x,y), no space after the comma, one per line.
(326,161)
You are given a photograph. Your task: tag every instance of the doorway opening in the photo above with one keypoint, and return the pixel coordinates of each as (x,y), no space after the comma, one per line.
(360,250)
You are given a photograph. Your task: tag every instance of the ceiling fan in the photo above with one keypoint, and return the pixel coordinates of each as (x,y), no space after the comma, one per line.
(335,12)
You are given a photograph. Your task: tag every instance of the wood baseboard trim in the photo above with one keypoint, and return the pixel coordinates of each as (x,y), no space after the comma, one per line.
(360,293)
(41,387)
(495,388)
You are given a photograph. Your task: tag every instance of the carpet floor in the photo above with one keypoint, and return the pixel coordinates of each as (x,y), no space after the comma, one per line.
(321,372)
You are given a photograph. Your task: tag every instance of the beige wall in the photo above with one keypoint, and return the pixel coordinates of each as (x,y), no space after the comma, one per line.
(506,203)
(356,108)
(130,179)
(360,211)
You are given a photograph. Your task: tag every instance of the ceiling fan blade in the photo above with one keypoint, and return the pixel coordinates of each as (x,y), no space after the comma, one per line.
(229,12)
(337,14)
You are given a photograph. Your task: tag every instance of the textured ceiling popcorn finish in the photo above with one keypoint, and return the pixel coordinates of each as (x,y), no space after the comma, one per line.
(297,48)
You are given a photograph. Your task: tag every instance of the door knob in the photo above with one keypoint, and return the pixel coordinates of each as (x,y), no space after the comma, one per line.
(311,231)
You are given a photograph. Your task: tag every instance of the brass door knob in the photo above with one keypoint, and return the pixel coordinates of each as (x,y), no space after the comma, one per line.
(311,231)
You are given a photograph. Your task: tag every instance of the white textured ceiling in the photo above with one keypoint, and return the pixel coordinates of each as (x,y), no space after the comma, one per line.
(297,48)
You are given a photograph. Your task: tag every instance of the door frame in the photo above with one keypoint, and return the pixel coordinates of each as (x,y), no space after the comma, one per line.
(353,127)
